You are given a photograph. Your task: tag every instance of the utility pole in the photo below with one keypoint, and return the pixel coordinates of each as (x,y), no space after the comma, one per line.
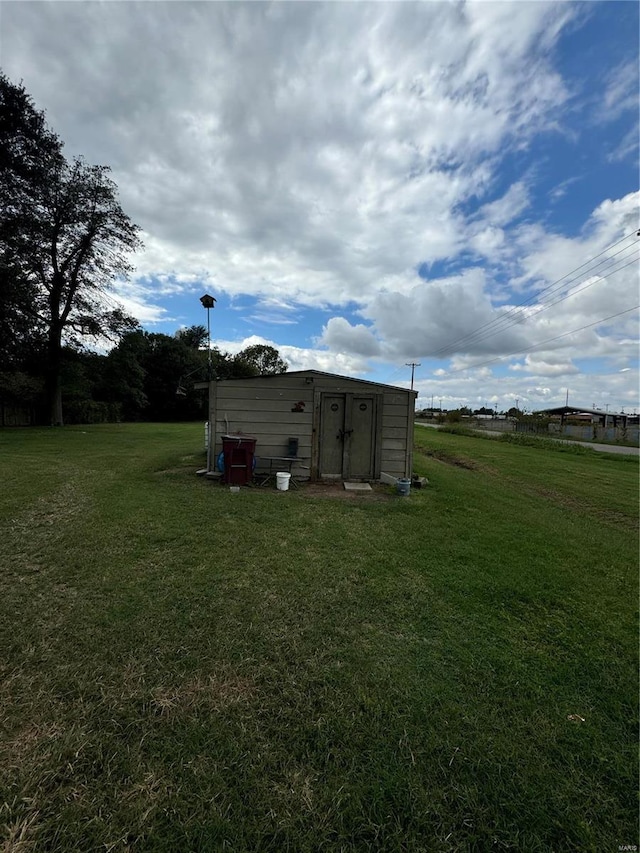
(412,365)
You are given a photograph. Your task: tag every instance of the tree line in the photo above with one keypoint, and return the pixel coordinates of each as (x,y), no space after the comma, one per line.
(64,241)
(146,376)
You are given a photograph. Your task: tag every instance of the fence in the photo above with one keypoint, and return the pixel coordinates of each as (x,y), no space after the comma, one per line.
(590,432)
(494,424)
(16,416)
(593,432)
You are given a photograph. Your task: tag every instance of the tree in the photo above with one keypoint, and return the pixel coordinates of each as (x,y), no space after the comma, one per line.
(64,239)
(265,360)
(195,337)
(151,377)
(124,376)
(29,150)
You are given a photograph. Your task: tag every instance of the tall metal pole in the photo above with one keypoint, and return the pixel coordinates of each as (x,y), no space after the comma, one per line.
(209,302)
(208,344)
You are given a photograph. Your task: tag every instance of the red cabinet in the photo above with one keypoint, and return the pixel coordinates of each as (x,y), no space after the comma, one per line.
(239,455)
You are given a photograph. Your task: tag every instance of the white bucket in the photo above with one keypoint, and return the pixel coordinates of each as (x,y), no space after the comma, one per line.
(282,481)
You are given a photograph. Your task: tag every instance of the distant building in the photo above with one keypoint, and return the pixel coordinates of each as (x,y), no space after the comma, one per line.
(574,414)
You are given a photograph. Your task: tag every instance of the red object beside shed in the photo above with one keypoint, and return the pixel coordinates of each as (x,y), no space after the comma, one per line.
(239,452)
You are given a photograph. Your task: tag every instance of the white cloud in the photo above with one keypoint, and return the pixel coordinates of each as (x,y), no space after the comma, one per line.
(430,316)
(339,335)
(562,188)
(272,319)
(299,358)
(626,146)
(621,92)
(509,207)
(139,301)
(540,367)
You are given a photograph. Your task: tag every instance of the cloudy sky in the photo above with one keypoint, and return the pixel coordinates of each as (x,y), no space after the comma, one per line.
(368,184)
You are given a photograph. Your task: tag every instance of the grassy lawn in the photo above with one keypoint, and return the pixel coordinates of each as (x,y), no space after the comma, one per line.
(183,669)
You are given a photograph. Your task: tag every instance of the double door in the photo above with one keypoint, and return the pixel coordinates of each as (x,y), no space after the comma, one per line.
(348,436)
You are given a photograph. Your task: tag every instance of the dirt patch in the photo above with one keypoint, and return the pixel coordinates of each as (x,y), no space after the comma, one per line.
(337,491)
(53,510)
(25,742)
(452,459)
(184,469)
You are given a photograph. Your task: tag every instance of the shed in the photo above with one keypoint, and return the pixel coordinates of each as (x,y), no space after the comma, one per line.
(341,428)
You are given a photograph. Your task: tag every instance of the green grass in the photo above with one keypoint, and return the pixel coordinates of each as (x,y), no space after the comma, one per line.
(186,669)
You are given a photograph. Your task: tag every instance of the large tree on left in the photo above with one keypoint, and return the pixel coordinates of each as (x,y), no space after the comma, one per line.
(64,240)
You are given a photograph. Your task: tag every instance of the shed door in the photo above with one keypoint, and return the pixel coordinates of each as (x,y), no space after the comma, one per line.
(347,436)
(332,410)
(360,443)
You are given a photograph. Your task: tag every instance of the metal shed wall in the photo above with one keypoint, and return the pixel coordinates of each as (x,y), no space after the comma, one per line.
(275,408)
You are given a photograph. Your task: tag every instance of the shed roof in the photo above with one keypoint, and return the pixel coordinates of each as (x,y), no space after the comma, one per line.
(335,376)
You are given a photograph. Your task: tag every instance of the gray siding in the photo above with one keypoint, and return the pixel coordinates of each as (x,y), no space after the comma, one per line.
(397,414)
(262,408)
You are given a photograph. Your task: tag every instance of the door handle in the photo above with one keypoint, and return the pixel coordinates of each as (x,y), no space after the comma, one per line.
(344,433)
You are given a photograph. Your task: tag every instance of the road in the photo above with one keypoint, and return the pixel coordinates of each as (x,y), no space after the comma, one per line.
(602,448)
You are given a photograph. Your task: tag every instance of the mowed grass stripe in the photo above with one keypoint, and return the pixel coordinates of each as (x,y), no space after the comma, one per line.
(183,668)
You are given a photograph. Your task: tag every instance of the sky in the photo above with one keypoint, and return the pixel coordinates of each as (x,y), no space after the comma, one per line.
(365,185)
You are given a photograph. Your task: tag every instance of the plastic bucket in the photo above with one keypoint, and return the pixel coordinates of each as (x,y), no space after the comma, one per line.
(282,481)
(404,487)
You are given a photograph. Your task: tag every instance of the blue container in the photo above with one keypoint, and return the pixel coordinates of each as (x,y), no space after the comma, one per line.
(404,487)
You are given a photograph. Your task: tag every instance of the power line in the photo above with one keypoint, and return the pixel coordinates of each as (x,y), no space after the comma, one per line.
(540,343)
(556,285)
(545,307)
(504,322)
(390,376)
(553,286)
(525,349)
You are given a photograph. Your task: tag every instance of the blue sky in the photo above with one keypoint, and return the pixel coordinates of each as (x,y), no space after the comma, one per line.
(367,184)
